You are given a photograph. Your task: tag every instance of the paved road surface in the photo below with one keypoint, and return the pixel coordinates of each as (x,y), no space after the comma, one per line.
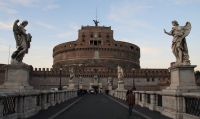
(97,107)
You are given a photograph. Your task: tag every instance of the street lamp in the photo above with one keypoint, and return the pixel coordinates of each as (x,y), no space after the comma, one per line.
(133,69)
(78,82)
(44,79)
(146,72)
(60,87)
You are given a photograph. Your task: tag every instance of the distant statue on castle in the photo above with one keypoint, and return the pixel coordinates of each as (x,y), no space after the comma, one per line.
(96,22)
(179,45)
(120,73)
(80,80)
(71,72)
(110,80)
(22,42)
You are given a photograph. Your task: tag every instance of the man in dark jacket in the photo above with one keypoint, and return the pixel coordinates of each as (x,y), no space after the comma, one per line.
(130,99)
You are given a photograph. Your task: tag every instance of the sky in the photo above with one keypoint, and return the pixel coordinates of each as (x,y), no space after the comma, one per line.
(141,22)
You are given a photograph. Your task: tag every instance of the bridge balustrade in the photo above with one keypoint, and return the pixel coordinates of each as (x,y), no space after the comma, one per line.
(180,105)
(25,104)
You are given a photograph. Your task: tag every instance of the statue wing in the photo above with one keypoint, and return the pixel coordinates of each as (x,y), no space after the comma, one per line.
(16,31)
(187,29)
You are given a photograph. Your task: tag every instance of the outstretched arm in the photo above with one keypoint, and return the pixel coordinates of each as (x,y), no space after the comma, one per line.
(168,33)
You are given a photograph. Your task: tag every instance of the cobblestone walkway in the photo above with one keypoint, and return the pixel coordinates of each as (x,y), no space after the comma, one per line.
(97,107)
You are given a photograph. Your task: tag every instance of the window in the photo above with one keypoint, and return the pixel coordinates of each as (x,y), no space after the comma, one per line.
(153,79)
(107,35)
(91,42)
(83,39)
(83,34)
(147,80)
(99,34)
(99,42)
(95,42)
(91,35)
(131,47)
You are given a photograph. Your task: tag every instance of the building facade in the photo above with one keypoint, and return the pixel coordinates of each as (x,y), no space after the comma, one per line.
(94,56)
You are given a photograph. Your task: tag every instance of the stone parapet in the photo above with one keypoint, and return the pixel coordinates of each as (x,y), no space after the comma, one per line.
(25,104)
(172,104)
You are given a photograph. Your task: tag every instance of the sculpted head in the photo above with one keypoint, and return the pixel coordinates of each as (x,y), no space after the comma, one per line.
(24,23)
(175,23)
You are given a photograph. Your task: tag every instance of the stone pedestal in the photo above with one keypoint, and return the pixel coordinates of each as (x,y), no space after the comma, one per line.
(80,86)
(120,85)
(16,79)
(71,85)
(110,87)
(182,79)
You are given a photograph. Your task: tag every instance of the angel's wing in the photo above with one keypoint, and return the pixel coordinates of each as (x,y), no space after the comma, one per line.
(16,31)
(187,29)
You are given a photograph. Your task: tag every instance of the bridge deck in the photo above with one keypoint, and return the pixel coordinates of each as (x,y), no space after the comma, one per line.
(96,107)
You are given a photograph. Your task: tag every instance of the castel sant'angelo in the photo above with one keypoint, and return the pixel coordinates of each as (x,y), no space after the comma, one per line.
(94,57)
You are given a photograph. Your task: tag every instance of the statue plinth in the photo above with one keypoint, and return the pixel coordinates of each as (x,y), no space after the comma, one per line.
(120,85)
(17,77)
(182,79)
(71,85)
(80,86)
(109,87)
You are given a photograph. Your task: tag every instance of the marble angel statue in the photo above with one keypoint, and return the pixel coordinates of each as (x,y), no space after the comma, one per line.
(179,45)
(22,42)
(71,72)
(120,73)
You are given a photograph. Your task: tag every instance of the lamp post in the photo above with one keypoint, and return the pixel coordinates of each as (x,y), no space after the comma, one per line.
(133,69)
(60,87)
(44,79)
(146,72)
(78,82)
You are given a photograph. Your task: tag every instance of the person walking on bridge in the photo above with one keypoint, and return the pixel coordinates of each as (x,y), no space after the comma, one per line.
(130,99)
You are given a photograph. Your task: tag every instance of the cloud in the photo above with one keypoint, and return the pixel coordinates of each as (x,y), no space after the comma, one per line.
(74,26)
(24,2)
(150,51)
(49,7)
(4,48)
(126,40)
(67,34)
(180,2)
(44,25)
(6,26)
(127,13)
(11,11)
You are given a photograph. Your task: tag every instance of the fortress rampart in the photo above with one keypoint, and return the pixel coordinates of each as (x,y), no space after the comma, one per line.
(95,46)
(102,73)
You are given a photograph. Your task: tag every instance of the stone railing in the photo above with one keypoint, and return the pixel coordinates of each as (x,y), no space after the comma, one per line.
(174,105)
(23,105)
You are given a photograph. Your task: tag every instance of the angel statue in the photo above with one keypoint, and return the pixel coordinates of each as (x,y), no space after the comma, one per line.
(120,73)
(71,72)
(22,42)
(96,22)
(110,80)
(179,45)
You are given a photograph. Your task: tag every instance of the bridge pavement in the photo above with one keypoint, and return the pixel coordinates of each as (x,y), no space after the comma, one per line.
(96,107)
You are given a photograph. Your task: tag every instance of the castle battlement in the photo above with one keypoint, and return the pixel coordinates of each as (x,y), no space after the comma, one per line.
(90,72)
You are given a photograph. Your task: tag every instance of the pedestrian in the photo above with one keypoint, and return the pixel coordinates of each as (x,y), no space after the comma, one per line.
(100,91)
(130,99)
(127,92)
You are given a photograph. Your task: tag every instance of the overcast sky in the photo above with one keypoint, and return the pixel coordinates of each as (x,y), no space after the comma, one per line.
(140,22)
